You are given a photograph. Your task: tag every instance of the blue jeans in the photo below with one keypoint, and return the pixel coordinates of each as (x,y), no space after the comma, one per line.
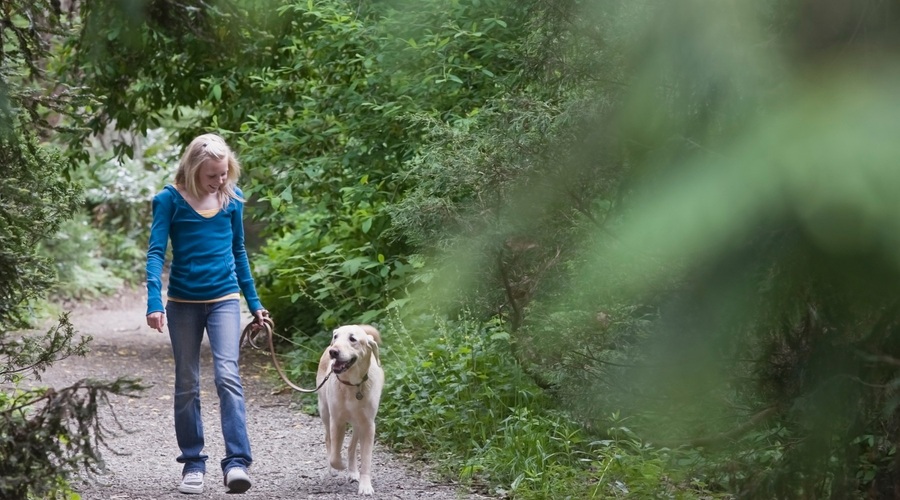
(222,321)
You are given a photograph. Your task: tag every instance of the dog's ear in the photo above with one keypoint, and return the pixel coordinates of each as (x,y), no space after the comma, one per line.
(371,330)
(375,352)
(373,344)
(374,340)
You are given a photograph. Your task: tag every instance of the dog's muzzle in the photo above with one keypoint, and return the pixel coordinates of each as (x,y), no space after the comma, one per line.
(339,366)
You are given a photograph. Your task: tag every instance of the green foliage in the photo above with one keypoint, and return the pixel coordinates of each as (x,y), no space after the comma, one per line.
(631,468)
(45,434)
(317,97)
(35,201)
(685,211)
(76,255)
(343,286)
(27,28)
(49,433)
(551,347)
(475,382)
(455,395)
(30,355)
(104,246)
(144,61)
(335,128)
(772,293)
(501,197)
(448,58)
(751,224)
(454,374)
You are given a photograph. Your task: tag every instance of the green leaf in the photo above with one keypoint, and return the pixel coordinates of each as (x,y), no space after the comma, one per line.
(352,266)
(500,336)
(368,316)
(397,303)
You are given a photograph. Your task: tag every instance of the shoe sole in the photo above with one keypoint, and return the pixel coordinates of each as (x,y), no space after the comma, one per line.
(191,490)
(238,486)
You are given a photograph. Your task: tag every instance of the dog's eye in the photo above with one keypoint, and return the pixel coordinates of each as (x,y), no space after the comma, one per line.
(352,338)
(334,337)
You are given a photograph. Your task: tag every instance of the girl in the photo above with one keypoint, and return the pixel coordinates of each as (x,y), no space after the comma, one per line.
(202,214)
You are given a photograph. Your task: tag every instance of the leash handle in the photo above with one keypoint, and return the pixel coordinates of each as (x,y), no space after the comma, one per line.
(249,335)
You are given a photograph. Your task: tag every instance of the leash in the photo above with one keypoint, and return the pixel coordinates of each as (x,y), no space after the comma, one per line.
(248,337)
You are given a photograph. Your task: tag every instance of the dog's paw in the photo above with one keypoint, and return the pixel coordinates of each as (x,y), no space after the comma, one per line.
(365,486)
(337,465)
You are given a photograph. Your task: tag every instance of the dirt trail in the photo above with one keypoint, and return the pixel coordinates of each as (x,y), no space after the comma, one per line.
(288,448)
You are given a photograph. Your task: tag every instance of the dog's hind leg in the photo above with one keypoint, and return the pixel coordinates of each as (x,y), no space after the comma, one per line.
(366,448)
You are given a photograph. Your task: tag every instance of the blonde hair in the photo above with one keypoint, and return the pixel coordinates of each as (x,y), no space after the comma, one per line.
(202,148)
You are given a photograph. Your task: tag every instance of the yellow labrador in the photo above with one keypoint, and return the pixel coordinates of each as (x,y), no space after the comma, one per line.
(351,396)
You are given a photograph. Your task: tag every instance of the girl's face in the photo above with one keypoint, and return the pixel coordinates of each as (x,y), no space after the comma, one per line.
(213,174)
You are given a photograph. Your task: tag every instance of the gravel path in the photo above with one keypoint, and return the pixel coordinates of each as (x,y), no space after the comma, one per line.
(288,445)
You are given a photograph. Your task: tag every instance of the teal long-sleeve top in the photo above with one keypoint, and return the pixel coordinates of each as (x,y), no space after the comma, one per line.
(209,260)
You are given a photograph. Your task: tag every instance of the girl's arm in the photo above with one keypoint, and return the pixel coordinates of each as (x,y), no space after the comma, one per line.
(163,209)
(241,261)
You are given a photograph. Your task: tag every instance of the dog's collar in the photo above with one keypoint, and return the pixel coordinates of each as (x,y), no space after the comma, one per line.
(358,388)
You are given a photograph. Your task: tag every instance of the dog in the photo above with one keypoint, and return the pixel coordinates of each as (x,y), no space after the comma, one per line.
(351,395)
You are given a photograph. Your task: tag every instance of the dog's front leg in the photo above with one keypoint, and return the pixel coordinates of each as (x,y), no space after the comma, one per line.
(323,411)
(366,448)
(335,461)
(351,456)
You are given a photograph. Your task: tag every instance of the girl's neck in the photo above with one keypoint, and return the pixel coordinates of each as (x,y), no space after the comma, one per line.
(207,201)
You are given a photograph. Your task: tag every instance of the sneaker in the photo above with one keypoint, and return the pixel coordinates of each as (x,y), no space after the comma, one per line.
(191,483)
(237,480)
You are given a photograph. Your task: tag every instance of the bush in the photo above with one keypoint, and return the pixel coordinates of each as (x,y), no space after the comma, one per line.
(35,201)
(77,256)
(453,394)
(45,433)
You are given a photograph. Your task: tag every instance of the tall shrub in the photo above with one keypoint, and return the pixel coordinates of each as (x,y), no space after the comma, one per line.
(45,434)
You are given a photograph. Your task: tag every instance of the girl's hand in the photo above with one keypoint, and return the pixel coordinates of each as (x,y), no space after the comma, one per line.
(156,320)
(261,315)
